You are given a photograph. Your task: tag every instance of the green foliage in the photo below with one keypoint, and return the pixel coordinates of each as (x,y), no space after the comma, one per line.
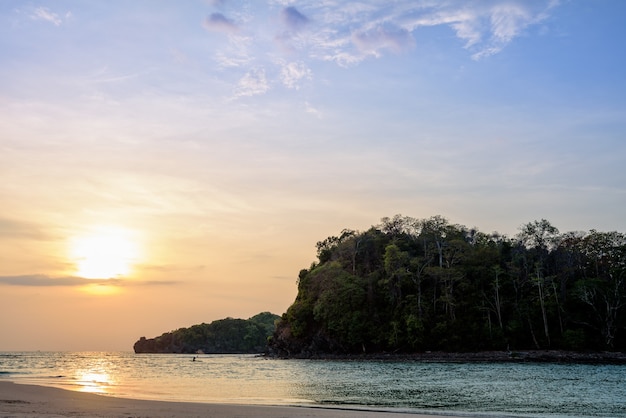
(224,336)
(426,284)
(339,305)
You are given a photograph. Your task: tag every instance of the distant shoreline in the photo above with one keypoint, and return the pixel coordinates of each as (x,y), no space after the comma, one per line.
(515,356)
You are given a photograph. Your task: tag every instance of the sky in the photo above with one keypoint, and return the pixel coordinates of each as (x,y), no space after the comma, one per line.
(165,164)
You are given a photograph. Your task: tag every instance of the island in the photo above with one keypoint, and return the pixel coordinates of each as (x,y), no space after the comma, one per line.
(427,288)
(223,336)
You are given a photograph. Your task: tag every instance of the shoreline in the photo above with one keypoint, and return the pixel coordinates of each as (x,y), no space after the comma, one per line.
(32,401)
(517,356)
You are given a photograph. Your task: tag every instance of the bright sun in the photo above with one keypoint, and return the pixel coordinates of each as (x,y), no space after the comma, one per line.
(104,253)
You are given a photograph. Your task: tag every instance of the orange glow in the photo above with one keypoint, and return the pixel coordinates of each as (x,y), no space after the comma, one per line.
(101,289)
(94,382)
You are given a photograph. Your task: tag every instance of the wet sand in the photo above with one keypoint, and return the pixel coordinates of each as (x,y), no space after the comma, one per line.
(30,401)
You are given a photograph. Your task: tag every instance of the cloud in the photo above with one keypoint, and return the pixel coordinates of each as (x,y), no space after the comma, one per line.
(292,73)
(507,22)
(393,38)
(347,33)
(43,13)
(40,280)
(227,60)
(217,22)
(486,27)
(253,83)
(236,54)
(291,40)
(37,280)
(294,20)
(309,108)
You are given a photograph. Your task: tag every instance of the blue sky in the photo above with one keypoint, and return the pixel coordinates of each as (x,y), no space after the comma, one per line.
(227,137)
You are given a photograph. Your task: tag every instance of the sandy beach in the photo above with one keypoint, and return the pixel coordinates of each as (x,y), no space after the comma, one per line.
(30,401)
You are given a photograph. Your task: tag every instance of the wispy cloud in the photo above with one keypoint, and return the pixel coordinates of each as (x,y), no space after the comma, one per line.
(348,33)
(312,110)
(43,13)
(253,83)
(39,280)
(217,22)
(236,53)
(293,73)
(380,38)
(486,27)
(293,19)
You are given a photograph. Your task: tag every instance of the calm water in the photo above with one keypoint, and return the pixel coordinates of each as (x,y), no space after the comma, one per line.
(465,389)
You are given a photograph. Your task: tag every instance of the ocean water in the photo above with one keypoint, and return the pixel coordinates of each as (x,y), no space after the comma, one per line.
(463,389)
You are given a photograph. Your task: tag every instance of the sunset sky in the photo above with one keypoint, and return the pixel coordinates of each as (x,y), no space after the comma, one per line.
(169,163)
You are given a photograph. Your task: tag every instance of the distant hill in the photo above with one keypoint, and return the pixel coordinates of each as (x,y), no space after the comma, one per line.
(224,336)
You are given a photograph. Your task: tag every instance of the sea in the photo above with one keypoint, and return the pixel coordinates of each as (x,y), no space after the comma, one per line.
(473,389)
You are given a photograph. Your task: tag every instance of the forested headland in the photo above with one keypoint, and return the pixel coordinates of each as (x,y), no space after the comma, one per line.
(224,336)
(414,285)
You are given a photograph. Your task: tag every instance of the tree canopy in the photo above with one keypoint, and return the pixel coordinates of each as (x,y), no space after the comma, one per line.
(409,285)
(224,336)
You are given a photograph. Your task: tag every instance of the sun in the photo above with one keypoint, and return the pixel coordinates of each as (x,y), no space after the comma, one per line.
(104,253)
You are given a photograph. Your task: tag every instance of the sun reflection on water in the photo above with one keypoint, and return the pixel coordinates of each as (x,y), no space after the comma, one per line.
(469,389)
(95,380)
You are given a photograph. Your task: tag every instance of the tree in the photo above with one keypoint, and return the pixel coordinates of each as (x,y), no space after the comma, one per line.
(540,237)
(397,270)
(603,289)
(426,284)
(339,307)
